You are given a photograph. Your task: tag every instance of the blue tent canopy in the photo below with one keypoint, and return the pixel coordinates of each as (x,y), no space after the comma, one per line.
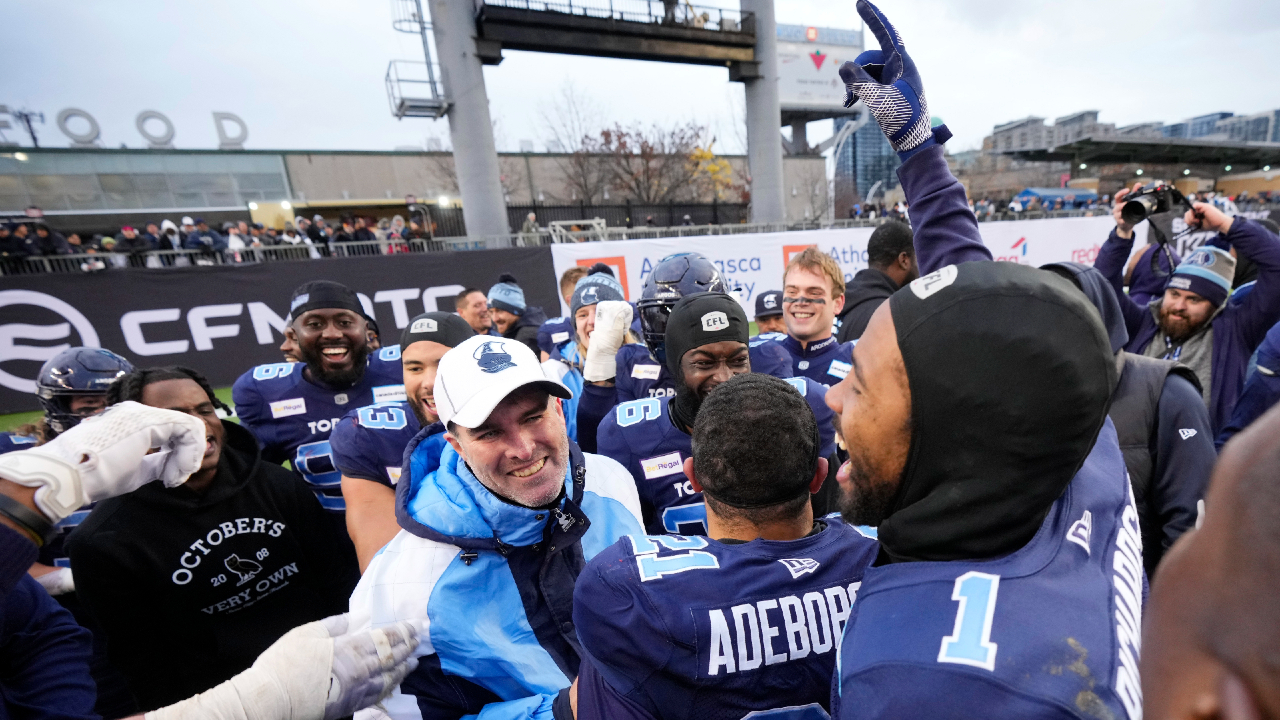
(1069,196)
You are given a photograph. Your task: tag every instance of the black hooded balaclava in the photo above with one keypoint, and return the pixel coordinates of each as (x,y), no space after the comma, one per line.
(1094,285)
(697,320)
(1011,375)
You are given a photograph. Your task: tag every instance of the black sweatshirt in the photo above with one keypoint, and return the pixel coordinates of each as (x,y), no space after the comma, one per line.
(190,588)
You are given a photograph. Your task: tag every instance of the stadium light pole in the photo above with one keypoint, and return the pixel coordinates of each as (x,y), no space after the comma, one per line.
(764,120)
(475,157)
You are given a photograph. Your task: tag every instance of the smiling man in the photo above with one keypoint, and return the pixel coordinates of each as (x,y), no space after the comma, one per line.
(496,530)
(1195,321)
(369,442)
(706,343)
(192,583)
(812,297)
(293,407)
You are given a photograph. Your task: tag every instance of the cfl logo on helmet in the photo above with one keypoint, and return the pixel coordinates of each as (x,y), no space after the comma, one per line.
(715,320)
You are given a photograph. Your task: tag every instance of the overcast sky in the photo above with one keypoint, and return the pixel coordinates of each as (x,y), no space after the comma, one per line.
(309,75)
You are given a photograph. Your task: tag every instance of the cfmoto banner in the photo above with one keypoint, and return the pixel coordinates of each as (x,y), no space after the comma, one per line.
(225,319)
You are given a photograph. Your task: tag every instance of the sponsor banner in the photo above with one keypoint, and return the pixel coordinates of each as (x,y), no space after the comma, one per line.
(224,320)
(755,263)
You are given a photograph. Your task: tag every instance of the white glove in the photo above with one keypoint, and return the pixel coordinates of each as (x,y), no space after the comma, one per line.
(314,672)
(613,317)
(106,455)
(57,582)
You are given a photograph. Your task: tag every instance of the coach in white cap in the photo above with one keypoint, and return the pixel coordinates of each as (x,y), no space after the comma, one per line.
(494,535)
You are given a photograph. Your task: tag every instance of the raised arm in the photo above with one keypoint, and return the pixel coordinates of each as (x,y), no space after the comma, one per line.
(886,80)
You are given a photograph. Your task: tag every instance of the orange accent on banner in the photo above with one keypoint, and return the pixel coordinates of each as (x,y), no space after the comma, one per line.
(619,265)
(789,250)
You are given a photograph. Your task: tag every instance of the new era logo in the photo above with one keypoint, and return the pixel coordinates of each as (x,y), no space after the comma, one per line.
(799,566)
(1187,433)
(423,325)
(715,320)
(1081,530)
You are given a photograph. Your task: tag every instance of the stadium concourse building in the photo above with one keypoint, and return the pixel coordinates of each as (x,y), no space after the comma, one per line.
(100,190)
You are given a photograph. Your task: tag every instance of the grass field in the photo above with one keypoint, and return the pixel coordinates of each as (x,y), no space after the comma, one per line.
(9,422)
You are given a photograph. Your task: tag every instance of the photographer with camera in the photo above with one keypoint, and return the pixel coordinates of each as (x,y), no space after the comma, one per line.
(1192,322)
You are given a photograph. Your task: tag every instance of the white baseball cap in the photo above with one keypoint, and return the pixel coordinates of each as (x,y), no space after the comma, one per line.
(481,372)
(187,221)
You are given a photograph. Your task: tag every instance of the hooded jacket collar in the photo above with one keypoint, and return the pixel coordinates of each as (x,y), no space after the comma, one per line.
(440,499)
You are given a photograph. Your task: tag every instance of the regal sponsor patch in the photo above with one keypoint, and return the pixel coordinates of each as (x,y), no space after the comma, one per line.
(646,372)
(286,408)
(557,338)
(662,465)
(839,369)
(389,393)
(394,474)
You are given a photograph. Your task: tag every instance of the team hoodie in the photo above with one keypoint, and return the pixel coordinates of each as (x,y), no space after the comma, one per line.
(190,588)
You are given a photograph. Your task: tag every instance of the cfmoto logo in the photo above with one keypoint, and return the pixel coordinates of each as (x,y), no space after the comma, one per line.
(11,350)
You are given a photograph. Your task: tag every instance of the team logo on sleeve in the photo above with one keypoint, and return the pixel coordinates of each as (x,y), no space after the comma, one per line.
(799,566)
(1081,530)
(492,357)
(423,325)
(715,320)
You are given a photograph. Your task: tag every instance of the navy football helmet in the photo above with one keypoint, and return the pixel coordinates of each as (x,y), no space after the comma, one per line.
(76,372)
(672,278)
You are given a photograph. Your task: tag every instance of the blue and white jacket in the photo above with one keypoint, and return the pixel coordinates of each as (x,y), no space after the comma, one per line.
(493,582)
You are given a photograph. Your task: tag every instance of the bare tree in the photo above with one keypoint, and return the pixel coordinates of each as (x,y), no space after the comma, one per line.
(815,187)
(653,165)
(573,124)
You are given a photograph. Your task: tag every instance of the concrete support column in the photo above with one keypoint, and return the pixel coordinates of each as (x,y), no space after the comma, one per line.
(764,119)
(475,158)
(800,137)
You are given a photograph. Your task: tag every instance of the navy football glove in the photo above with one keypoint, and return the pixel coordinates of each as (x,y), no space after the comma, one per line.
(887,82)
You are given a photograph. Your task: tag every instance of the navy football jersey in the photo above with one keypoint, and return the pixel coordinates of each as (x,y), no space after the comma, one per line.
(1052,630)
(640,375)
(554,333)
(293,417)
(826,361)
(369,442)
(12,441)
(687,628)
(641,436)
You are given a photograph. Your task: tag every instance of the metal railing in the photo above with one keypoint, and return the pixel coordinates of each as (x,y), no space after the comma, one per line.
(160,260)
(702,17)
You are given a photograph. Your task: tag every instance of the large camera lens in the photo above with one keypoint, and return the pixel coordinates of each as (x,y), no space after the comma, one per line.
(1137,209)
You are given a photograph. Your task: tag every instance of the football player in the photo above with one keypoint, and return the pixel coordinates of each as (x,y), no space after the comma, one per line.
(1009,579)
(588,365)
(642,371)
(558,331)
(813,293)
(369,442)
(71,386)
(769,314)
(706,344)
(292,407)
(746,621)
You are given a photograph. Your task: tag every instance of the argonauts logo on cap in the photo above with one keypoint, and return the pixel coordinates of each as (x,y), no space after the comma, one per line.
(589,296)
(771,301)
(493,357)
(423,325)
(715,320)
